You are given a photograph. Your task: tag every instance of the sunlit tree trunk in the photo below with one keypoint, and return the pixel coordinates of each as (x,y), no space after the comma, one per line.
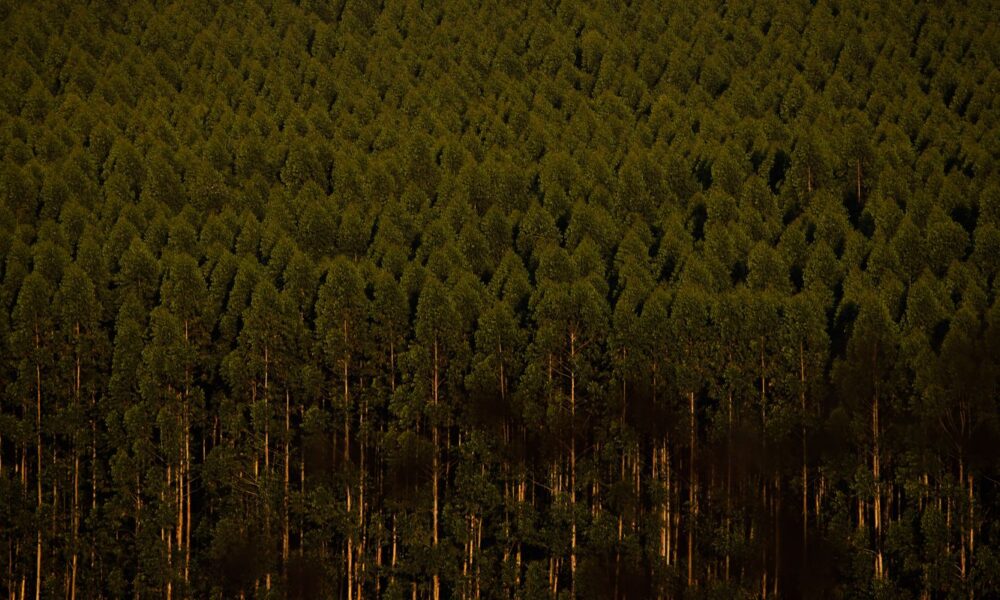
(38,432)
(858,178)
(76,473)
(435,468)
(877,509)
(345,361)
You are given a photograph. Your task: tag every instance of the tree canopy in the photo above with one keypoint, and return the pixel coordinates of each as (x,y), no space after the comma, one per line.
(401,299)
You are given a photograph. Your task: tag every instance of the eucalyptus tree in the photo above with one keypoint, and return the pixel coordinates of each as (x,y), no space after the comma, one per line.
(342,326)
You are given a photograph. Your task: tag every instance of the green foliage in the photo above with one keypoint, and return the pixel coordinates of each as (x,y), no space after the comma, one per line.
(544,300)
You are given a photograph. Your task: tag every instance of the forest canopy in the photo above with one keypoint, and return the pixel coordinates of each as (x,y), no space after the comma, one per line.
(438,299)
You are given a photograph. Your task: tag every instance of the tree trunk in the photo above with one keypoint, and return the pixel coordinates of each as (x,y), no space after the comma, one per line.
(764,482)
(972,526)
(168,536)
(572,463)
(347,457)
(184,480)
(435,474)
(360,564)
(138,527)
(76,475)
(692,494)
(777,534)
(805,466)
(267,450)
(287,481)
(667,508)
(187,494)
(729,479)
(877,508)
(859,182)
(963,571)
(179,494)
(38,424)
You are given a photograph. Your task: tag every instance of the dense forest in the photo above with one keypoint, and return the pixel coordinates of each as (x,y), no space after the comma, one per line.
(421,299)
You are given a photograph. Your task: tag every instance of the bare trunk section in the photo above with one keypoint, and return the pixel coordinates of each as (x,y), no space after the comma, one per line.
(184,479)
(285,489)
(167,536)
(435,469)
(692,493)
(38,425)
(345,362)
(729,480)
(877,508)
(764,482)
(962,562)
(805,466)
(971,525)
(572,463)
(360,564)
(859,181)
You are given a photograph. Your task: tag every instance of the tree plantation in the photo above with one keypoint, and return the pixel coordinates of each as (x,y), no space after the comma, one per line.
(418,299)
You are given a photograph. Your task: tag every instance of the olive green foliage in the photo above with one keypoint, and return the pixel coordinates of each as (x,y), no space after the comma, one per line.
(551,299)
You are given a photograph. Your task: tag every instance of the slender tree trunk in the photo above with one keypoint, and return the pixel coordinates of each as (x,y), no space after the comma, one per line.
(93,475)
(435,472)
(692,493)
(179,494)
(302,485)
(729,479)
(378,563)
(392,367)
(877,509)
(572,463)
(859,181)
(76,475)
(360,564)
(763,542)
(777,534)
(506,471)
(962,547)
(287,482)
(479,549)
(347,457)
(763,482)
(671,518)
(187,493)
(184,480)
(972,526)
(76,523)
(392,389)
(657,472)
(267,449)
(38,425)
(168,535)
(466,557)
(805,465)
(138,528)
(556,485)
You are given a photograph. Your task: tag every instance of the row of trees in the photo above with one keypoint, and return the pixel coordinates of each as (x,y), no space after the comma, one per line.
(631,301)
